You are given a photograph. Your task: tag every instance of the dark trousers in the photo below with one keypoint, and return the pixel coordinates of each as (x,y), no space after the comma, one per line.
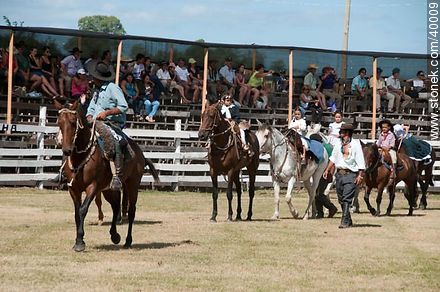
(345,187)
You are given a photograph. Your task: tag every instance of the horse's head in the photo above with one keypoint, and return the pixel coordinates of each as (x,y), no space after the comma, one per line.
(69,121)
(264,136)
(371,155)
(211,119)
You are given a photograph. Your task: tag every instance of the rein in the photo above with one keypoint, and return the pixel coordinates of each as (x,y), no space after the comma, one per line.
(370,169)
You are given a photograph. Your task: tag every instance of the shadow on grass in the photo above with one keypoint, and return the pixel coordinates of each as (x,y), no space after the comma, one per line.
(365,225)
(151,245)
(403,215)
(136,222)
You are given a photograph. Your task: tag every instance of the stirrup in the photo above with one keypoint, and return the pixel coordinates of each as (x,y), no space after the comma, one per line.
(116,184)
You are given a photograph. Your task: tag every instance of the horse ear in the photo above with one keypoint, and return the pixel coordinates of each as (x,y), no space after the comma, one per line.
(57,104)
(259,123)
(75,105)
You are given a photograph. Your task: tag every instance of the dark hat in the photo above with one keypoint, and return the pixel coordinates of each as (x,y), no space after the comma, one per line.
(379,70)
(75,50)
(101,71)
(347,127)
(395,70)
(385,122)
(228,59)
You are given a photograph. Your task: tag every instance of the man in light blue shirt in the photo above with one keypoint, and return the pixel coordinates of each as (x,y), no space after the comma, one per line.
(359,88)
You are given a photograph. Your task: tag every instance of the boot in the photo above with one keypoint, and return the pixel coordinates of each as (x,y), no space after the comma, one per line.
(60,179)
(116,168)
(346,218)
(319,207)
(329,205)
(392,175)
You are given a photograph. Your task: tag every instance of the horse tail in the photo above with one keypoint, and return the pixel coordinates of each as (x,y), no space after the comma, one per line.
(153,169)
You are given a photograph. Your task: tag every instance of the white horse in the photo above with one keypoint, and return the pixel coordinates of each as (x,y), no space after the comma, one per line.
(285,164)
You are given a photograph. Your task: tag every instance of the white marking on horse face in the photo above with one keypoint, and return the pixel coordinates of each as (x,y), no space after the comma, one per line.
(263,136)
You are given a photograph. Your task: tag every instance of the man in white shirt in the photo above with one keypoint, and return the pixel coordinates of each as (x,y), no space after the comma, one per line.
(348,159)
(227,75)
(393,84)
(382,92)
(182,75)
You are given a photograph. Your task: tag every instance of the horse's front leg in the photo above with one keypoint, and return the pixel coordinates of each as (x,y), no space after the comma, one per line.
(98,202)
(214,180)
(252,174)
(392,194)
(276,194)
(76,198)
(229,194)
(367,200)
(309,188)
(90,195)
(114,198)
(290,186)
(379,200)
(238,188)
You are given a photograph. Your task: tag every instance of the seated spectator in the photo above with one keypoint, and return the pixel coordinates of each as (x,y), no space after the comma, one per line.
(151,101)
(240,85)
(69,66)
(183,77)
(175,78)
(126,66)
(281,81)
(132,95)
(107,58)
(227,76)
(47,66)
(329,80)
(382,92)
(418,85)
(307,101)
(256,82)
(359,88)
(165,78)
(23,74)
(312,81)
(36,72)
(394,87)
(195,79)
(4,64)
(214,86)
(80,84)
(139,71)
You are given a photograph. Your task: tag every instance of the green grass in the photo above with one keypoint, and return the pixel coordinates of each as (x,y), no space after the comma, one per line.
(175,247)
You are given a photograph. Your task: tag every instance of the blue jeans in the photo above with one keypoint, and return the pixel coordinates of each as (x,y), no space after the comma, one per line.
(135,104)
(151,107)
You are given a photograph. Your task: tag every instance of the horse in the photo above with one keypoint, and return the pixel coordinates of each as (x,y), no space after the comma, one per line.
(88,171)
(424,180)
(377,175)
(226,157)
(286,167)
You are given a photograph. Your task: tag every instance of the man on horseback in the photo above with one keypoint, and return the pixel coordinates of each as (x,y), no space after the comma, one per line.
(348,158)
(107,110)
(387,142)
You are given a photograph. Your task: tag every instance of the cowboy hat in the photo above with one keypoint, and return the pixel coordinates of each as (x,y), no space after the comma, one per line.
(101,71)
(385,122)
(126,59)
(312,66)
(347,127)
(192,61)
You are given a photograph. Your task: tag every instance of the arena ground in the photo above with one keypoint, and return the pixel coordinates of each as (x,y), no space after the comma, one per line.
(175,247)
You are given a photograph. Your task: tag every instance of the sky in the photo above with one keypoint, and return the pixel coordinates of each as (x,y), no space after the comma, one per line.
(375,25)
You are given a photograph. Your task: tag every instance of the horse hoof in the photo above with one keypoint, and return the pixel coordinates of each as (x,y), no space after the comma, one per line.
(100,222)
(373,211)
(229,220)
(249,218)
(213,220)
(377,214)
(238,218)
(116,238)
(275,217)
(79,247)
(422,207)
(388,213)
(127,245)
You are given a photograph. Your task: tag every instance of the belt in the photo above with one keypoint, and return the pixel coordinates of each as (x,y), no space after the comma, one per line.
(344,171)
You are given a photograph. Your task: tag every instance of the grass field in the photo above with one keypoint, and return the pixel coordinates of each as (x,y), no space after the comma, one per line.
(175,247)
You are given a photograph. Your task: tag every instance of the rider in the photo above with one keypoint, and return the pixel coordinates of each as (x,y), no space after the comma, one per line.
(348,158)
(231,112)
(300,126)
(108,107)
(387,141)
(417,150)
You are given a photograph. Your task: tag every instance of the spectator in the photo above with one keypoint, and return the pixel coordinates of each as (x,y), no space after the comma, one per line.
(165,78)
(107,58)
(175,78)
(183,76)
(37,72)
(4,66)
(307,101)
(132,95)
(80,84)
(194,77)
(23,74)
(333,128)
(329,80)
(382,92)
(418,85)
(213,78)
(126,67)
(282,83)
(139,71)
(359,88)
(394,87)
(227,76)
(256,82)
(240,84)
(47,66)
(69,66)
(312,81)
(151,101)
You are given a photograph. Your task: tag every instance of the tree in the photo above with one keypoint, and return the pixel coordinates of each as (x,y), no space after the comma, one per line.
(101,23)
(12,23)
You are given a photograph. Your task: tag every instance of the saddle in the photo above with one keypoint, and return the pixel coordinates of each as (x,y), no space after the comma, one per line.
(385,158)
(295,140)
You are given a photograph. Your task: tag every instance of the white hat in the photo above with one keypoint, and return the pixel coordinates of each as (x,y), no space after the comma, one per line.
(81,71)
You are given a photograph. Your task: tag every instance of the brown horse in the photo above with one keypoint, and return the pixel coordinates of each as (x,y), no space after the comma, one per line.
(377,175)
(424,177)
(88,171)
(227,157)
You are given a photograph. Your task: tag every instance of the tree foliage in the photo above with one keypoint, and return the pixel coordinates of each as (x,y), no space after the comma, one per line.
(101,23)
(12,23)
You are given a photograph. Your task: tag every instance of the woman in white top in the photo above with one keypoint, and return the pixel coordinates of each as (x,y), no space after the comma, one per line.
(333,128)
(299,125)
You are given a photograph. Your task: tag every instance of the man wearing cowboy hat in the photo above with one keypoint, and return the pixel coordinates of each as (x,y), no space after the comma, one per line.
(348,159)
(108,107)
(69,66)
(312,82)
(387,142)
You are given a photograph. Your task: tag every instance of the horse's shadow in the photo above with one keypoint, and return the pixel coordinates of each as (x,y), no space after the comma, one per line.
(141,246)
(136,222)
(365,225)
(404,215)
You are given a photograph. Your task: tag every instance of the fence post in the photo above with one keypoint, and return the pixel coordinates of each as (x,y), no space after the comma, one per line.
(177,127)
(10,75)
(40,141)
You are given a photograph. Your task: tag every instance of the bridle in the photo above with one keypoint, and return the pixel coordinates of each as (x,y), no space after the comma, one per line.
(79,126)
(213,135)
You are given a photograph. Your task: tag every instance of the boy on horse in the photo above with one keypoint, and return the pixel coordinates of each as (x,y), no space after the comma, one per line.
(348,158)
(387,142)
(107,109)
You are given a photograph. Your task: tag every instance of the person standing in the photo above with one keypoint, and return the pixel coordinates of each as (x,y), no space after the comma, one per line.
(348,159)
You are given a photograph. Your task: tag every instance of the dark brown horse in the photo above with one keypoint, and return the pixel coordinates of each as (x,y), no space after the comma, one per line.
(226,157)
(377,175)
(424,177)
(88,171)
